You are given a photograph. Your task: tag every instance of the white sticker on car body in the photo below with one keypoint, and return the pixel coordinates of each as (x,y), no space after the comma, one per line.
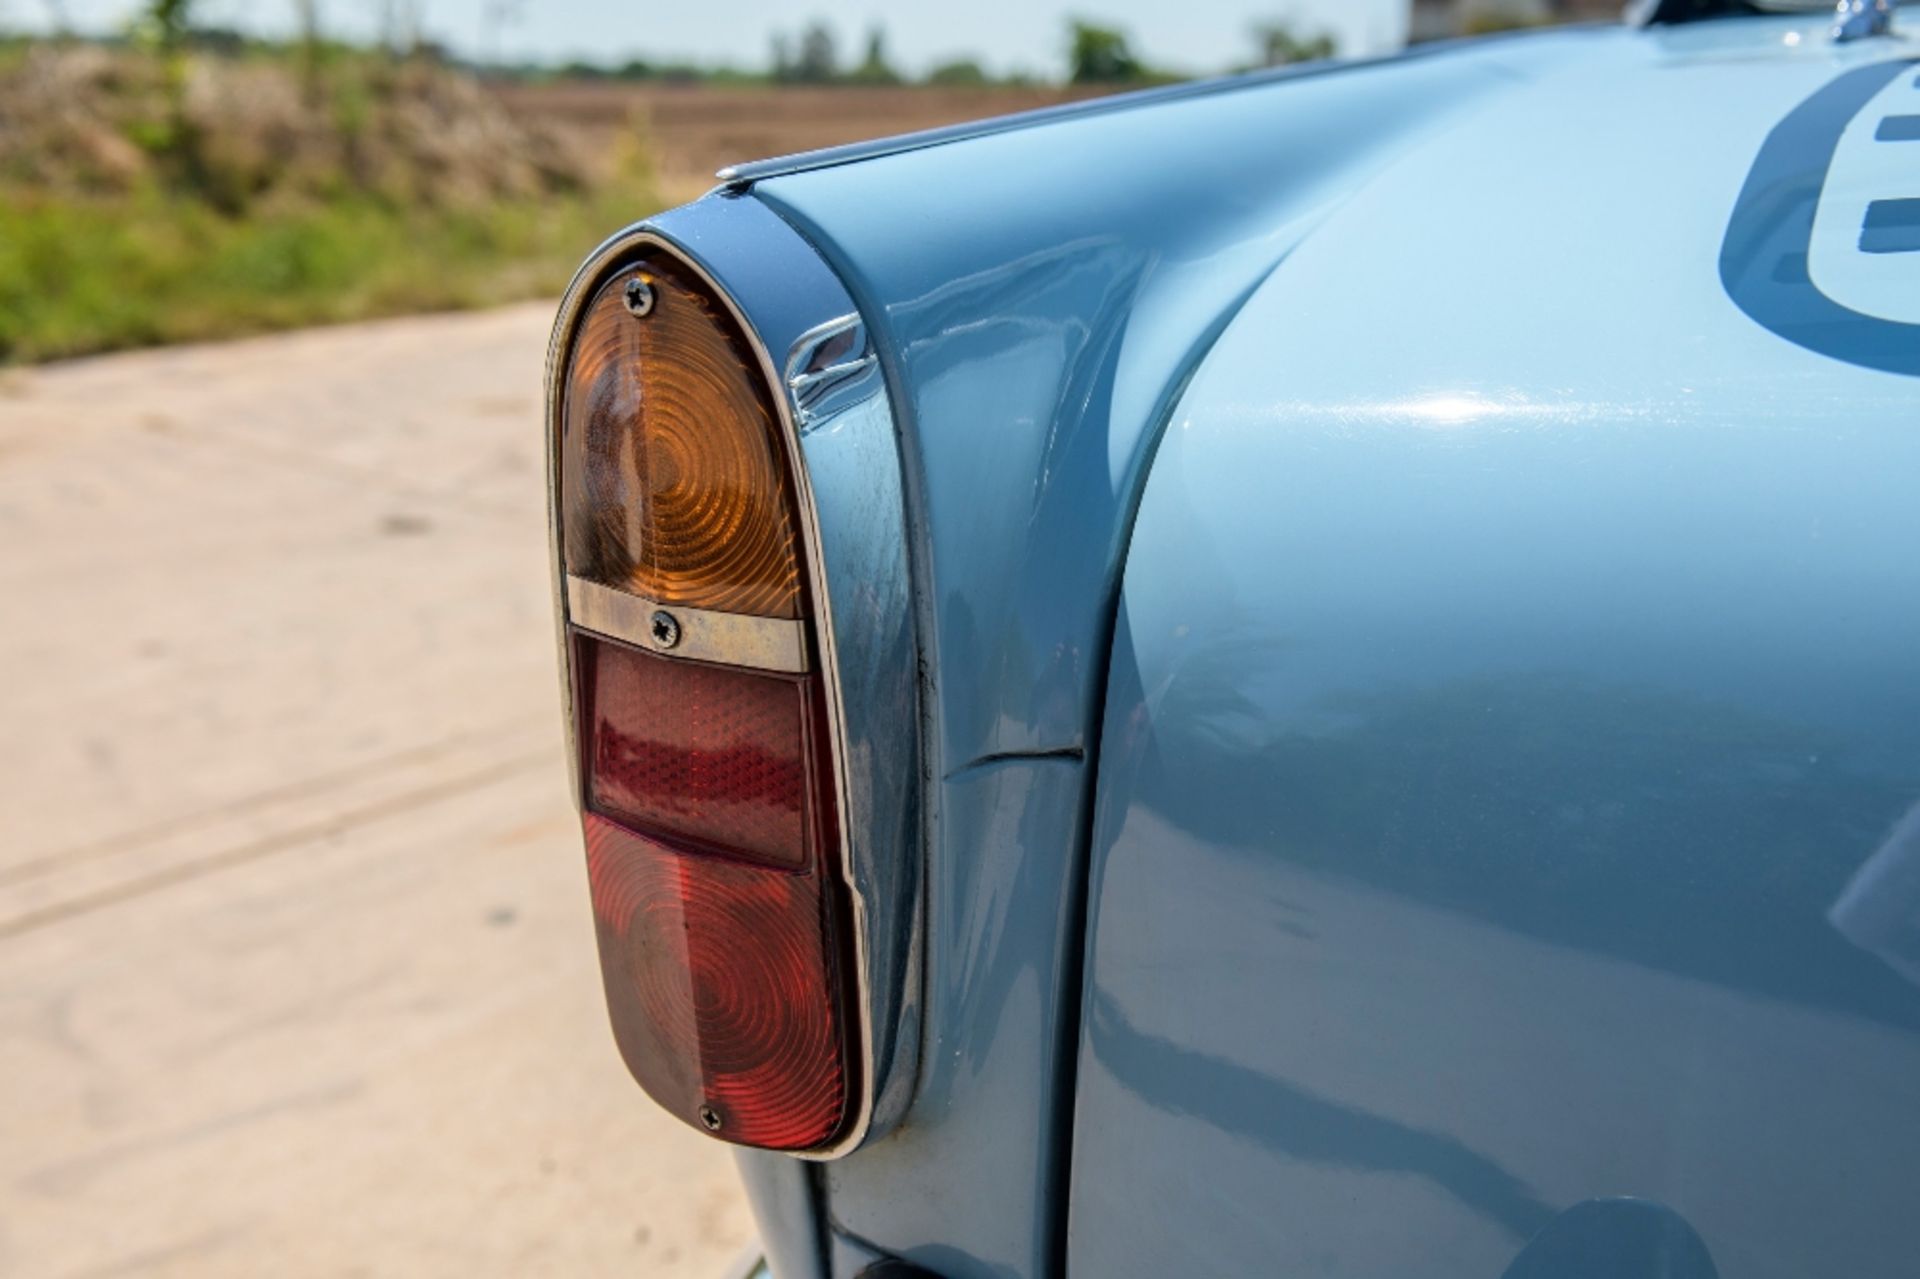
(1865,248)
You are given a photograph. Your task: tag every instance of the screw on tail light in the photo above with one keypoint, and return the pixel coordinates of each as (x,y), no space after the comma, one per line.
(638,292)
(709,790)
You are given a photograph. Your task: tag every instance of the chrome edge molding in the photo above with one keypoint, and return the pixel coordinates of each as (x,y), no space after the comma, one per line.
(780,291)
(702,635)
(746,173)
(740,177)
(1861,20)
(831,366)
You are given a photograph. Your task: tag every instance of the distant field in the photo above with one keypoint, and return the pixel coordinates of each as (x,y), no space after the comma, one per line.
(130,217)
(694,130)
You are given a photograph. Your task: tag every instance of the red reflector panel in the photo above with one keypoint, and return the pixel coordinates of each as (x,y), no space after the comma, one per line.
(722,988)
(698,752)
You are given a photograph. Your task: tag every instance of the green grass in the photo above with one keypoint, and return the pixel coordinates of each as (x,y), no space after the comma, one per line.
(80,275)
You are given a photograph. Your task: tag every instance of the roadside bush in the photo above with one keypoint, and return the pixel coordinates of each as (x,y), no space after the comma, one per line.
(396,186)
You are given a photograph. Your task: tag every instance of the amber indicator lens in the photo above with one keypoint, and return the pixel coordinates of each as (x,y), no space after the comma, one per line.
(673,483)
(709,837)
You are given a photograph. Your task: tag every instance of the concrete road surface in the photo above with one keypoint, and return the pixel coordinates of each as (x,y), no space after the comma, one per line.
(296,965)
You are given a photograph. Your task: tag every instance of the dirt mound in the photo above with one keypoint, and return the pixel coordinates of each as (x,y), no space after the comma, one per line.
(91,120)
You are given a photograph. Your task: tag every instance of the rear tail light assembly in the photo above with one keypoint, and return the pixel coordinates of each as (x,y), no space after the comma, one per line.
(708,775)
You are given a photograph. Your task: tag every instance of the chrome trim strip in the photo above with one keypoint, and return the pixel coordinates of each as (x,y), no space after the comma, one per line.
(748,172)
(703,635)
(830,367)
(1861,20)
(873,696)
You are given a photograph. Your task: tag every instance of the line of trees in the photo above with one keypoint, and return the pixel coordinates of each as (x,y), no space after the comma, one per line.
(1097,54)
(1104,55)
(814,58)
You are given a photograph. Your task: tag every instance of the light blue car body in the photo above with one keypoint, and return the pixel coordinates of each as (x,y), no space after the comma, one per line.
(1416,576)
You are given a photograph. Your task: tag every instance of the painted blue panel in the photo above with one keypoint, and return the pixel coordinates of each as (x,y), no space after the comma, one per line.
(1615,1238)
(1513,730)
(1042,294)
(961,1187)
(1039,298)
(780,1193)
(851,1259)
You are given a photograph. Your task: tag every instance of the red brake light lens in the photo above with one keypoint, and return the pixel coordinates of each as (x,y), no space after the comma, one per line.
(706,855)
(708,785)
(717,977)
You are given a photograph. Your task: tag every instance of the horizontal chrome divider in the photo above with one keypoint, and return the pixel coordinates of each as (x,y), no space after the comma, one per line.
(730,639)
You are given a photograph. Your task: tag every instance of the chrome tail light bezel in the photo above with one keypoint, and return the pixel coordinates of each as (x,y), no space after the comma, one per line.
(838,431)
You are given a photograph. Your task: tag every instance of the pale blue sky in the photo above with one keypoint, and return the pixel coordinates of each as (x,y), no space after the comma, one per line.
(1195,35)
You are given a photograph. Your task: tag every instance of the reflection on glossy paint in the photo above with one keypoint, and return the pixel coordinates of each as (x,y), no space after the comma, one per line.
(1616,1239)
(1453,793)
(1439,411)
(1256,1106)
(1450,410)
(1468,408)
(1880,909)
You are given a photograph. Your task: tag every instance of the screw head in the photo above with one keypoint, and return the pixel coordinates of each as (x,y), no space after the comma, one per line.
(665,629)
(710,1119)
(639,296)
